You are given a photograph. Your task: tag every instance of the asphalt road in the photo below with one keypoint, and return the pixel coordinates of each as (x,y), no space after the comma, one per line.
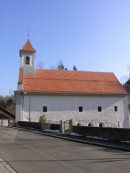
(28,152)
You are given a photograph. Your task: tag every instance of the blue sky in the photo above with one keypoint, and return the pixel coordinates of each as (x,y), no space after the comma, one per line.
(93,35)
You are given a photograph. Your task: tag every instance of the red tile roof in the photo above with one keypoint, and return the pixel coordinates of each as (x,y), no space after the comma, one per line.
(71,82)
(27,47)
(20,79)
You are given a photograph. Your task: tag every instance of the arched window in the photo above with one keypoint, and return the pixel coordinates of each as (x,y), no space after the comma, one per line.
(27,61)
(101,124)
(90,124)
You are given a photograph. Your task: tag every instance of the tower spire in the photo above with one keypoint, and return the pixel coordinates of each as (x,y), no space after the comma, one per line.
(27,47)
(27,55)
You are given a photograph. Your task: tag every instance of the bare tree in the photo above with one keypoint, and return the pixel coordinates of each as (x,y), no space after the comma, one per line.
(8,102)
(11,92)
(123,79)
(40,65)
(60,66)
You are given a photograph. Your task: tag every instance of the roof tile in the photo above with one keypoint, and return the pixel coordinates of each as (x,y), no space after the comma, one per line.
(71,82)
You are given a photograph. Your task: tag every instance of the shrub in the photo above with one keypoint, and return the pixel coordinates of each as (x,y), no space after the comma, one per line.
(42,119)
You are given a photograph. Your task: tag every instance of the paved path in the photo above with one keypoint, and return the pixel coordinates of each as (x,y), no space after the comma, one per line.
(28,152)
(5,167)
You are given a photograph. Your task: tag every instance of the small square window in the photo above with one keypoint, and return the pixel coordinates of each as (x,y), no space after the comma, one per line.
(44,108)
(80,108)
(115,108)
(99,109)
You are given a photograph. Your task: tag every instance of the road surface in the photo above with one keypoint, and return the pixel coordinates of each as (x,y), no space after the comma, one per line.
(28,152)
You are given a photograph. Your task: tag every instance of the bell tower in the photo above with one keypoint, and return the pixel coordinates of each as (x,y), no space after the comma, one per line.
(27,55)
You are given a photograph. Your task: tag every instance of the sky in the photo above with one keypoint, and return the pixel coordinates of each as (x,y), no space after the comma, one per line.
(93,35)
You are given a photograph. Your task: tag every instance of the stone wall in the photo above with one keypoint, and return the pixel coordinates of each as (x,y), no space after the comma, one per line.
(115,134)
(38,126)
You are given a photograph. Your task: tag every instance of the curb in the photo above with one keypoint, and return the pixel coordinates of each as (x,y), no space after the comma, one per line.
(76,140)
(5,167)
(88,142)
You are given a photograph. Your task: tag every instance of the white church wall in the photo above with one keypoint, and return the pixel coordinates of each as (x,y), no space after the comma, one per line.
(67,107)
(19,107)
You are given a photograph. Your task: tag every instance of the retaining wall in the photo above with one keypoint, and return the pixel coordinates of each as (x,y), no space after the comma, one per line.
(115,134)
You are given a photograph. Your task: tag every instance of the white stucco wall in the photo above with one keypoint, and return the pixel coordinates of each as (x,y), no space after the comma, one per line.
(4,123)
(67,107)
(19,107)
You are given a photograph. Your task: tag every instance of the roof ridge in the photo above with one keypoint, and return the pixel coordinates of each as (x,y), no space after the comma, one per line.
(73,71)
(67,79)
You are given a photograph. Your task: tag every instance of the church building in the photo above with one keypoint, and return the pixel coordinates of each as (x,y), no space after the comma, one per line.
(89,98)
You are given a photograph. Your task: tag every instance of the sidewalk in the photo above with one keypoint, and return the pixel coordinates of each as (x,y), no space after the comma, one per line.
(5,168)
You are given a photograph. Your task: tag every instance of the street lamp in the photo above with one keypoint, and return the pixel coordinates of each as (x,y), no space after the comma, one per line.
(29,109)
(23,93)
(29,106)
